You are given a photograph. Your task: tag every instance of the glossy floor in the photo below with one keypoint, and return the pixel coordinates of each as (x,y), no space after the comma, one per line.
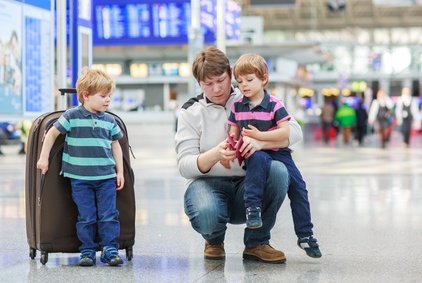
(366,205)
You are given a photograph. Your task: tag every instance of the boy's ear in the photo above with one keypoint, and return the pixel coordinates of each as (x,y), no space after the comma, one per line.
(85,94)
(265,79)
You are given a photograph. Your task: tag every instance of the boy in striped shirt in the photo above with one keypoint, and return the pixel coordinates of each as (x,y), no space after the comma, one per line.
(93,160)
(263,117)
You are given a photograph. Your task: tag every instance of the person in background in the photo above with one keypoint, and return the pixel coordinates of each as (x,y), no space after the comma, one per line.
(361,122)
(406,113)
(214,193)
(93,160)
(173,106)
(381,115)
(263,117)
(346,118)
(24,126)
(327,119)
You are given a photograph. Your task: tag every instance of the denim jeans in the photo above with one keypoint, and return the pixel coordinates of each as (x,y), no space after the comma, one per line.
(298,194)
(212,202)
(97,213)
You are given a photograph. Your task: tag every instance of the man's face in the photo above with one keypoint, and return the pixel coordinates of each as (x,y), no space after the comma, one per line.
(217,88)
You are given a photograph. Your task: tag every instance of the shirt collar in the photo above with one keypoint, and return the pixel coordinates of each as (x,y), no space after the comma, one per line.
(86,113)
(264,103)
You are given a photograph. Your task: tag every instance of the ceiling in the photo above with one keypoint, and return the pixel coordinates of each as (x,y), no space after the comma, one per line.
(315,14)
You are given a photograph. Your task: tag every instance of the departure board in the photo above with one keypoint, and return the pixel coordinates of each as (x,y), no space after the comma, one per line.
(148,22)
(141,23)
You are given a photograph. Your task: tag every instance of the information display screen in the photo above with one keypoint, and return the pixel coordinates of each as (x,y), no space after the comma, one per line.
(148,22)
(141,23)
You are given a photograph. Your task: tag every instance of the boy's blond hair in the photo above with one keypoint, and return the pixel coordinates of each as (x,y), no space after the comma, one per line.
(93,81)
(251,64)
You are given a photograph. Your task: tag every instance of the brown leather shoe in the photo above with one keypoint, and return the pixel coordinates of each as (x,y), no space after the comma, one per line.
(264,253)
(214,251)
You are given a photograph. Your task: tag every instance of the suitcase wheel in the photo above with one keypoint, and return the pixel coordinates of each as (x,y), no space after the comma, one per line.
(32,253)
(44,258)
(129,254)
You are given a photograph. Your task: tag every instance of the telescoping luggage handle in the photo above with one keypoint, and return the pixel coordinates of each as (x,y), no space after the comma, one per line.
(63,91)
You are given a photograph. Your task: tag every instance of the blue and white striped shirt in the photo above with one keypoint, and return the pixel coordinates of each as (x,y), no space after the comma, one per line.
(87,153)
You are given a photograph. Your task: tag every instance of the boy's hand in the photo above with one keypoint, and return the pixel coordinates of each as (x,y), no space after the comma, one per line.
(120,181)
(43,165)
(251,132)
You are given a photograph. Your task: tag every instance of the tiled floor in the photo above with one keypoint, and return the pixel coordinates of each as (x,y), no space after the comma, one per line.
(366,204)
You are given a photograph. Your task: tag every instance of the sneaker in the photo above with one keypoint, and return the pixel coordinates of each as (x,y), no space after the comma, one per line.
(253,217)
(310,245)
(110,255)
(87,258)
(214,251)
(264,253)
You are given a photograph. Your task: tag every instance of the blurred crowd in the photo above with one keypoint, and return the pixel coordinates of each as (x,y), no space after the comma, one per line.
(353,120)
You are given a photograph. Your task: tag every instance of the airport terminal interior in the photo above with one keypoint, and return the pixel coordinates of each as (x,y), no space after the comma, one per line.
(365,195)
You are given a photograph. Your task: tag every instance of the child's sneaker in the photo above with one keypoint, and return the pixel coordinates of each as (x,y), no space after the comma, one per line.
(310,245)
(110,255)
(253,217)
(87,258)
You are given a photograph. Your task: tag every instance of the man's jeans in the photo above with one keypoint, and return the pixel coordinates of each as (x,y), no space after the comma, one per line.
(212,202)
(96,202)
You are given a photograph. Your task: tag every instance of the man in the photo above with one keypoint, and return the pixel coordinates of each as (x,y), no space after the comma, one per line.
(214,194)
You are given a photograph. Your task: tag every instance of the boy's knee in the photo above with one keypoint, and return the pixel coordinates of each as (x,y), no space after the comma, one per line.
(278,178)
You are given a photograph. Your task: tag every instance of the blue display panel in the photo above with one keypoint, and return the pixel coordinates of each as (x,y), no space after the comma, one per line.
(135,22)
(33,63)
(141,23)
(44,4)
(38,61)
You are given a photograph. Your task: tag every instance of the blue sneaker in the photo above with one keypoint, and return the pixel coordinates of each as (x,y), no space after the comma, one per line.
(110,255)
(310,245)
(87,258)
(253,217)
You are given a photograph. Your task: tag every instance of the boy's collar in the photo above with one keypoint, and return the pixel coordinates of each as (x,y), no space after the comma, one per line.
(87,113)
(264,103)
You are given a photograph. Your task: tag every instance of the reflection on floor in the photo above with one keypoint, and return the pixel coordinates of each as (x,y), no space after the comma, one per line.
(366,204)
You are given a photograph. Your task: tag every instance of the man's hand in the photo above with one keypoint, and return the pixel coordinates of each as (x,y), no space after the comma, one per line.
(225,163)
(249,146)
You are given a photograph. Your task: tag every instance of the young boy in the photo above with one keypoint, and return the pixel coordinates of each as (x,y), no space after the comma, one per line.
(263,117)
(92,159)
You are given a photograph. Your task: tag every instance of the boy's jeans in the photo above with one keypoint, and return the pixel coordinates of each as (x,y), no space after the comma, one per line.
(257,167)
(96,202)
(212,202)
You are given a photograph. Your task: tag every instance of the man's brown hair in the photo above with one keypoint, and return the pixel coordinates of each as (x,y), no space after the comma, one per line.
(210,62)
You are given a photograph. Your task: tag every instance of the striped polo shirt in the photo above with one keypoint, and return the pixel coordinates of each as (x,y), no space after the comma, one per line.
(87,153)
(264,116)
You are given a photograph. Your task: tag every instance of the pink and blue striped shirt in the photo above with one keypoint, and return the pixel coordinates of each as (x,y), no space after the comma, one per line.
(265,117)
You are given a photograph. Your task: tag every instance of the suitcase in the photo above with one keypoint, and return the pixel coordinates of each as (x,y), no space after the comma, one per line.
(51,214)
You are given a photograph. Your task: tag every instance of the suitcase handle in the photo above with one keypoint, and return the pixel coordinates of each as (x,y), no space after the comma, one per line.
(41,189)
(63,91)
